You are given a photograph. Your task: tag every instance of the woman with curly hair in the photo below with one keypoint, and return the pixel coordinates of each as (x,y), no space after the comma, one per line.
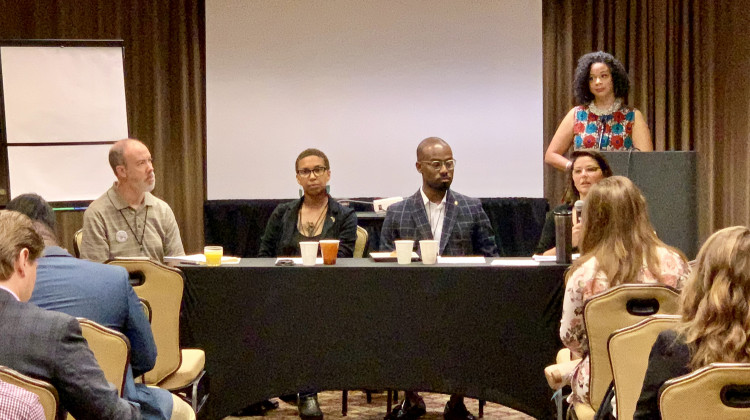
(715,325)
(618,245)
(601,120)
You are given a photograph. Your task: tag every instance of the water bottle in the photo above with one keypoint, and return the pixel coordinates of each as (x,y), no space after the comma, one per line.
(564,236)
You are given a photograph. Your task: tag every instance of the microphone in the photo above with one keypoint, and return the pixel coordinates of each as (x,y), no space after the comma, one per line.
(579,209)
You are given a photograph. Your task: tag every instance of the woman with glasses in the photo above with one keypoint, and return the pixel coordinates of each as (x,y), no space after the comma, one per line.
(313,217)
(601,120)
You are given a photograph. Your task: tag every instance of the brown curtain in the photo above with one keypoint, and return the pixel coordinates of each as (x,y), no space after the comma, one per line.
(164,82)
(688,62)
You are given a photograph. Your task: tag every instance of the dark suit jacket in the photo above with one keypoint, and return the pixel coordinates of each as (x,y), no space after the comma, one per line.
(103,294)
(466,228)
(279,238)
(49,346)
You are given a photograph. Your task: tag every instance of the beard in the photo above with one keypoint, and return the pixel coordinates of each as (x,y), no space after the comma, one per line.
(441,184)
(149,186)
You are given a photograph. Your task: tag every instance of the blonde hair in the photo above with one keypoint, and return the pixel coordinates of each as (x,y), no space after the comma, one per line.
(16,233)
(715,304)
(617,232)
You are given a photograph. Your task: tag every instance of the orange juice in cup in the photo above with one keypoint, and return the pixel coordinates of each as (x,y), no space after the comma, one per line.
(330,249)
(213,255)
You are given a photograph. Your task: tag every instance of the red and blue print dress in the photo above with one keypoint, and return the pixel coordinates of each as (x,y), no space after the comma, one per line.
(610,131)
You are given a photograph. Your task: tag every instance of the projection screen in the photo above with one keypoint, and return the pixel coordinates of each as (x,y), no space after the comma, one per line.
(365,81)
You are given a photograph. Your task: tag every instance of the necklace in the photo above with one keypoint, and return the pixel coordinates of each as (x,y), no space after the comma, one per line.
(135,223)
(598,111)
(310,228)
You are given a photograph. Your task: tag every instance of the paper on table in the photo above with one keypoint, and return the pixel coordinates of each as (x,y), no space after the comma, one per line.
(551,258)
(519,262)
(200,259)
(461,260)
(298,261)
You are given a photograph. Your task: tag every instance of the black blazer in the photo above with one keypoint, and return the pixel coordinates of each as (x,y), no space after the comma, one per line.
(280,237)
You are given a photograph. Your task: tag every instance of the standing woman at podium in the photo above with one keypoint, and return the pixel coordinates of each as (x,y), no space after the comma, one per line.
(601,120)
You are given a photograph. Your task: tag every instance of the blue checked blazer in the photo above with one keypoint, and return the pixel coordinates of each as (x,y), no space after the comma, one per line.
(466,228)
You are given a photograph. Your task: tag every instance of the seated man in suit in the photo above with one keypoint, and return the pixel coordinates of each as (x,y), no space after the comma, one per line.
(103,294)
(44,344)
(127,220)
(458,222)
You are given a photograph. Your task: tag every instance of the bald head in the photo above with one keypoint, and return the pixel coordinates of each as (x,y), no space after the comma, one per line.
(117,152)
(132,164)
(428,144)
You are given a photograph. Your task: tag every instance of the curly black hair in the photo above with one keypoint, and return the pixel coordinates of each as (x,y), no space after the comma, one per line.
(620,80)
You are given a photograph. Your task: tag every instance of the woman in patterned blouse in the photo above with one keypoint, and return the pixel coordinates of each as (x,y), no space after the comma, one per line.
(601,120)
(618,245)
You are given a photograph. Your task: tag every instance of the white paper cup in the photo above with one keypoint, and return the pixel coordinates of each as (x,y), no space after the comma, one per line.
(309,252)
(429,250)
(404,249)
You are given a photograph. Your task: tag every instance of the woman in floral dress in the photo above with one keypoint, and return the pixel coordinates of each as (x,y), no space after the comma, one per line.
(618,245)
(601,120)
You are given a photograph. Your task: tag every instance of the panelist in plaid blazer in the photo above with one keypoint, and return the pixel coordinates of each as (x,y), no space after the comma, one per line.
(437,212)
(457,221)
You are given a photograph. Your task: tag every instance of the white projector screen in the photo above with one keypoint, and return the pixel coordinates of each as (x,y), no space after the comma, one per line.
(365,81)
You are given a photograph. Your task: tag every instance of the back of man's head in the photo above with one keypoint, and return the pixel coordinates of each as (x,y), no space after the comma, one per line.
(16,233)
(39,211)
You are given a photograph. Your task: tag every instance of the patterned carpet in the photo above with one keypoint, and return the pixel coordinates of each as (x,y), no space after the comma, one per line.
(330,403)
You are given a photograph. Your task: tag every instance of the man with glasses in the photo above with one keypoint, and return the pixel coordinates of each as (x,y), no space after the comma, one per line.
(436,212)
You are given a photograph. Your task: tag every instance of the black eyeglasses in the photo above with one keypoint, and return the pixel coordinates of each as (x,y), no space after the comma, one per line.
(437,164)
(318,171)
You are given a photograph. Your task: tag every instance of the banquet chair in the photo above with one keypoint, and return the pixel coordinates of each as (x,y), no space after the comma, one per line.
(146,309)
(618,307)
(178,370)
(362,243)
(360,251)
(718,391)
(45,391)
(629,349)
(111,349)
(77,239)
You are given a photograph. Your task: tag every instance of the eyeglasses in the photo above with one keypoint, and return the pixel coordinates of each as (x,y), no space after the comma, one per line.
(437,164)
(318,171)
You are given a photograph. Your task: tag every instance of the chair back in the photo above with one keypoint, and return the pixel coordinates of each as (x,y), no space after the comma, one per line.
(77,239)
(146,309)
(111,349)
(161,287)
(45,391)
(361,245)
(629,349)
(717,391)
(619,307)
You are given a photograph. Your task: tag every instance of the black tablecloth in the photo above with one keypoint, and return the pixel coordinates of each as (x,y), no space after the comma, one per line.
(479,330)
(238,224)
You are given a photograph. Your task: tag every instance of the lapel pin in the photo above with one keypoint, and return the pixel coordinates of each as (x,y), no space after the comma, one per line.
(333,219)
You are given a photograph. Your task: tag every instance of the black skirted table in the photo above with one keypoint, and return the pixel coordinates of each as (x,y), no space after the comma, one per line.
(479,330)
